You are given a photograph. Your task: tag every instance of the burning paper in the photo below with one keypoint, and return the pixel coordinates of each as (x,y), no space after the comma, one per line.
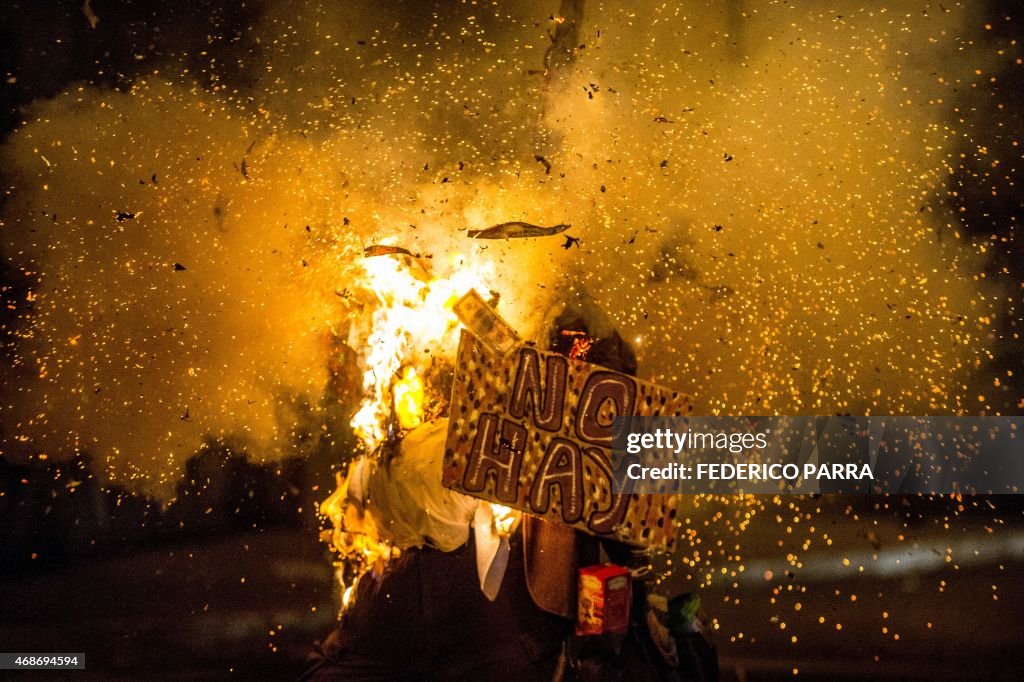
(516,230)
(485,323)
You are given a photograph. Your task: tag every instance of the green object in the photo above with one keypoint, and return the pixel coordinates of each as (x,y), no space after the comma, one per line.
(682,614)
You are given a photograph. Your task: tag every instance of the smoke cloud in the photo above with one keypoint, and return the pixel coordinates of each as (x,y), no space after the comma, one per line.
(758,190)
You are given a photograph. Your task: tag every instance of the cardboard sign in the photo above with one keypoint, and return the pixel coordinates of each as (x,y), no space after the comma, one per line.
(533,430)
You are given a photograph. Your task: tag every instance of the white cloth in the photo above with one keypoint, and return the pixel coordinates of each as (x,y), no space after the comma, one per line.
(492,550)
(411,507)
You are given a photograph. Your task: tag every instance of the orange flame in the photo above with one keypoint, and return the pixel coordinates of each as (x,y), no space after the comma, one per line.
(505,518)
(408,396)
(411,324)
(407,325)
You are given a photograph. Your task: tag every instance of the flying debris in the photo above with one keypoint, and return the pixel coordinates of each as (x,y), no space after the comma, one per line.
(570,242)
(516,230)
(244,166)
(121,216)
(90,15)
(386,250)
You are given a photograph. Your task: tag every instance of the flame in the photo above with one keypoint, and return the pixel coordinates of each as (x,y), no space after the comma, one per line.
(411,325)
(408,395)
(347,594)
(406,325)
(355,539)
(505,519)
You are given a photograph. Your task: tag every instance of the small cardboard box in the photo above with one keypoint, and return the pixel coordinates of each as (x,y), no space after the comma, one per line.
(604,597)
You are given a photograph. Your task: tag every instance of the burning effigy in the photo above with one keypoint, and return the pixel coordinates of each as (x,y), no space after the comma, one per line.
(406,341)
(442,473)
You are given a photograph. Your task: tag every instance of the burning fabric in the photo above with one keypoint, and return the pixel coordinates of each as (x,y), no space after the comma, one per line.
(384,507)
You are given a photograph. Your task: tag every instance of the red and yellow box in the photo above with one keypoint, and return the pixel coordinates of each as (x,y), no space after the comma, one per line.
(604,596)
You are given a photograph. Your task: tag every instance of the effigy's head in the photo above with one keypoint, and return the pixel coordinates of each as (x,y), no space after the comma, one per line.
(583,331)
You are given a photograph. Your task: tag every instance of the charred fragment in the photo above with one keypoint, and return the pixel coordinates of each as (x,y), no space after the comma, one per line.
(387,250)
(517,230)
